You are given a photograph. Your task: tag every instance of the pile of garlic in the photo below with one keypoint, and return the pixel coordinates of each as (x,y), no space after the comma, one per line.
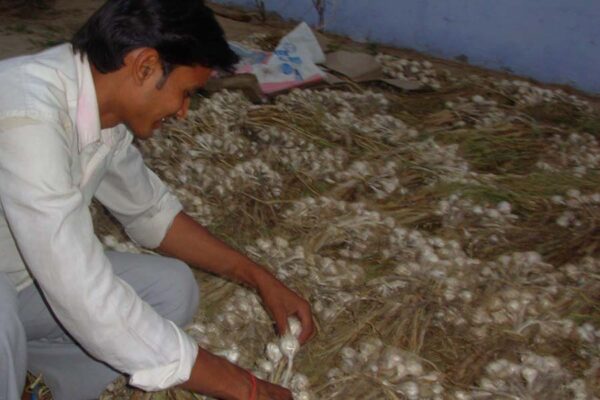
(408,246)
(428,260)
(351,230)
(413,70)
(533,377)
(478,112)
(300,155)
(278,364)
(512,308)
(223,112)
(362,114)
(444,161)
(326,101)
(311,269)
(457,211)
(210,336)
(253,176)
(528,94)
(582,272)
(383,128)
(580,208)
(577,152)
(194,205)
(379,177)
(243,308)
(228,144)
(530,299)
(397,371)
(327,282)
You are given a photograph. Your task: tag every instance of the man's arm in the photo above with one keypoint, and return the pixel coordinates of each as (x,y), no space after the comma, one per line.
(188,241)
(217,377)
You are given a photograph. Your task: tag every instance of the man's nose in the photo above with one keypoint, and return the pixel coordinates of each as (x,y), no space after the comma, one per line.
(182,113)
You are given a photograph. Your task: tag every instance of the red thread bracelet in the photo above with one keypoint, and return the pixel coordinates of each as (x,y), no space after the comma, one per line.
(253,387)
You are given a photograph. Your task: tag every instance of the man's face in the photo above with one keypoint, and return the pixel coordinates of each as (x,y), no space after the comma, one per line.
(157,100)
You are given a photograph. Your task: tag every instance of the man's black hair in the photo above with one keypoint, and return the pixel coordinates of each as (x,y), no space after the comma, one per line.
(184,32)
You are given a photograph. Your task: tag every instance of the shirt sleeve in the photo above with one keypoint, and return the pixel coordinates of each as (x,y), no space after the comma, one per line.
(52,227)
(137,198)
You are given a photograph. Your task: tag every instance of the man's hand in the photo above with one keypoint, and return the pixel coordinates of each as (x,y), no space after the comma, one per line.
(190,242)
(268,391)
(215,376)
(281,302)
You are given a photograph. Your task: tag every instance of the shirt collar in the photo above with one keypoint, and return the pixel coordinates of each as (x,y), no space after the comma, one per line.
(88,117)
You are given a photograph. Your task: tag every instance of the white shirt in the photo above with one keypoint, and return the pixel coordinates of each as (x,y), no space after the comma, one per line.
(53,159)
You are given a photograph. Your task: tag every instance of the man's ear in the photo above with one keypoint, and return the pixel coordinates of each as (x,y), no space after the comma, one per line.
(144,63)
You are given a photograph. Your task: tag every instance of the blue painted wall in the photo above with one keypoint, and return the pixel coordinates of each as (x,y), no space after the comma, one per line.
(555,41)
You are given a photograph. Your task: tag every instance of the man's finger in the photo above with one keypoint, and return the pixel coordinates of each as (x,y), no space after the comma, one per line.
(308,325)
(281,322)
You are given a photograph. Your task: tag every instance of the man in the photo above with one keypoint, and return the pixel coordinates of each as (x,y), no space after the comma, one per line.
(68,310)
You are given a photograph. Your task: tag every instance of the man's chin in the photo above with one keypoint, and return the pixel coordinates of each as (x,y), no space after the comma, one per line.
(145,133)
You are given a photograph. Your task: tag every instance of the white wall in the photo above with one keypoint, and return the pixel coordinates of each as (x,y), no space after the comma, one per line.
(556,41)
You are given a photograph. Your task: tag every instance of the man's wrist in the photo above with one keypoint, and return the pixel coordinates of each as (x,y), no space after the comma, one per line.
(256,276)
(215,376)
(253,387)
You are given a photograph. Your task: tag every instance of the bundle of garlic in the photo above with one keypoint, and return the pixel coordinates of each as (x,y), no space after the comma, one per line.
(430,254)
(479,225)
(254,176)
(456,210)
(443,161)
(325,281)
(533,377)
(210,336)
(578,152)
(378,177)
(477,111)
(580,208)
(293,265)
(278,364)
(220,116)
(315,102)
(403,68)
(582,272)
(526,93)
(310,211)
(299,154)
(512,308)
(388,368)
(222,146)
(237,328)
(353,119)
(382,128)
(223,112)
(351,230)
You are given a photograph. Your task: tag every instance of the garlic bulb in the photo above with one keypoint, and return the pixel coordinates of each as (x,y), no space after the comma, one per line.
(289,345)
(294,326)
(274,353)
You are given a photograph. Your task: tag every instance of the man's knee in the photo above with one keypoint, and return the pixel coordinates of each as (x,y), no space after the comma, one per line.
(167,284)
(180,292)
